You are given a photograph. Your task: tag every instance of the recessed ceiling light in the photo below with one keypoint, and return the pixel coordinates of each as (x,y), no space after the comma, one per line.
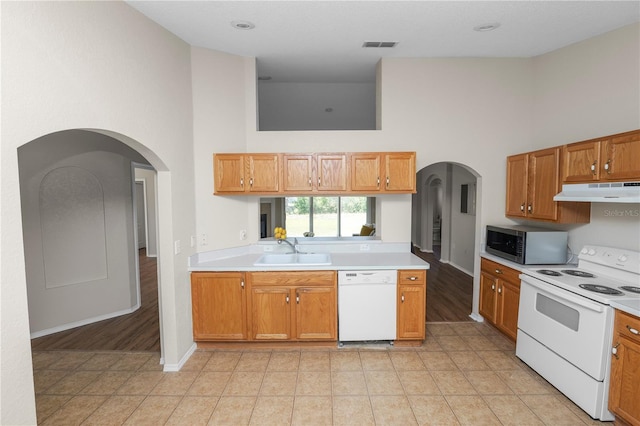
(264,77)
(486,27)
(243,25)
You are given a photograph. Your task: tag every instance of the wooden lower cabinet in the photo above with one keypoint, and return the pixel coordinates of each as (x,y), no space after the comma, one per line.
(294,306)
(219,304)
(500,296)
(624,387)
(412,302)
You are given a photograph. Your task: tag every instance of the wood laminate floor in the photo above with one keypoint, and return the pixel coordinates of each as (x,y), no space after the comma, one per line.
(138,331)
(449,291)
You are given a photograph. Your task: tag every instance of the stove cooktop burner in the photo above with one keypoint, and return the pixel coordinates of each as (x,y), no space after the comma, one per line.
(549,272)
(577,273)
(601,289)
(631,288)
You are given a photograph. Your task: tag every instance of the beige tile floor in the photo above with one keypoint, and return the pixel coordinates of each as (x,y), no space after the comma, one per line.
(464,373)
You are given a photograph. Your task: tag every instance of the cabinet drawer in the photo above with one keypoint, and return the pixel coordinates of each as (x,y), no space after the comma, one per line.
(297,278)
(628,326)
(418,276)
(499,270)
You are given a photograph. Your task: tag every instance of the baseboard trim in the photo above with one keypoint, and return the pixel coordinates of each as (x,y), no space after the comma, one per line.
(461,269)
(183,360)
(80,323)
(476,317)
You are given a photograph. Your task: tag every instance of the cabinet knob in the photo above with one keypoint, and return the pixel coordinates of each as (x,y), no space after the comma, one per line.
(522,207)
(530,208)
(593,167)
(498,271)
(387,181)
(607,167)
(632,330)
(287,299)
(241,181)
(413,278)
(402,298)
(318,180)
(378,181)
(251,182)
(499,290)
(493,287)
(297,298)
(309,181)
(614,350)
(242,284)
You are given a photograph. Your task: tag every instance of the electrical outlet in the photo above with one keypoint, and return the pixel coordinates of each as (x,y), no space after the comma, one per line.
(268,248)
(177,247)
(203,239)
(243,234)
(365,247)
(193,241)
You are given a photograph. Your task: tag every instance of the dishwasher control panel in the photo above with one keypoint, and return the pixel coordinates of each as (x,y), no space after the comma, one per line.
(367,277)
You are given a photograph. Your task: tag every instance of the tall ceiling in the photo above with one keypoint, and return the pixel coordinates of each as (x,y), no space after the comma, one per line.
(321,41)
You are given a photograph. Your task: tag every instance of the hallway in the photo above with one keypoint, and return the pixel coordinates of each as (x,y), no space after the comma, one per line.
(138,331)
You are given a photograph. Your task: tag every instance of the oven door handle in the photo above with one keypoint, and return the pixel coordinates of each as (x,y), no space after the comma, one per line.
(565,295)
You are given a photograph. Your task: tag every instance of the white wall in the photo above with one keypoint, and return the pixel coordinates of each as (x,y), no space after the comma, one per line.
(463,225)
(92,65)
(149,177)
(301,106)
(78,231)
(584,91)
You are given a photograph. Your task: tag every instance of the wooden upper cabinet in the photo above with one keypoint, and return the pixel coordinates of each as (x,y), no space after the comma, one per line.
(332,172)
(365,171)
(228,170)
(544,183)
(581,162)
(610,158)
(264,173)
(310,173)
(246,173)
(383,172)
(621,156)
(400,170)
(533,179)
(297,171)
(517,186)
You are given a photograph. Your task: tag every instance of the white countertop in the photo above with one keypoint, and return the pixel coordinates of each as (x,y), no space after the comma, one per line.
(378,257)
(630,306)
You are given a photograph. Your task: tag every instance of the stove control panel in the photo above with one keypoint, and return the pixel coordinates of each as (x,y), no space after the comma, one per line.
(623,259)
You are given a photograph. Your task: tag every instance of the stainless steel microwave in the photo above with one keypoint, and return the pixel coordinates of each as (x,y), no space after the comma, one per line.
(527,245)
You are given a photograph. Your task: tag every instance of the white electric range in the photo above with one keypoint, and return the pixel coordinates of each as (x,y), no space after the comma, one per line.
(565,322)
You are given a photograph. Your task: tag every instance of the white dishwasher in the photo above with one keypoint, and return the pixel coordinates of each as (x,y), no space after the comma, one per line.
(367,305)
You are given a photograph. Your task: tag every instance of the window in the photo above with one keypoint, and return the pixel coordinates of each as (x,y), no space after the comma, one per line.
(322,216)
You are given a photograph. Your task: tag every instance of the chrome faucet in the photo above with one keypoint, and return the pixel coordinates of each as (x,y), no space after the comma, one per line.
(293,245)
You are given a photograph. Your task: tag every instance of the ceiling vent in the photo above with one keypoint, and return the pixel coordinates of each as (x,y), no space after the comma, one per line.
(379,44)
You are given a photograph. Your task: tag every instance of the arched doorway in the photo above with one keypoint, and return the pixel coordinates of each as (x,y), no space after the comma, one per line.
(81,259)
(444,232)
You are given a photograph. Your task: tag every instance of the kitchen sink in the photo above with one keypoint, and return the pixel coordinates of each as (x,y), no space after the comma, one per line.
(293,259)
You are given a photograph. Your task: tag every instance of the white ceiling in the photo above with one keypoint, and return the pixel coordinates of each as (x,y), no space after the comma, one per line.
(322,41)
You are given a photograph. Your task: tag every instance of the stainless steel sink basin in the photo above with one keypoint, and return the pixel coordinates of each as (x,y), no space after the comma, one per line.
(293,259)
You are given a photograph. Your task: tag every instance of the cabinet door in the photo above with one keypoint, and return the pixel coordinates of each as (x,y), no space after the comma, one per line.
(365,172)
(488,291)
(331,172)
(624,387)
(316,313)
(411,312)
(517,169)
(621,156)
(544,183)
(297,172)
(228,173)
(507,308)
(219,306)
(400,172)
(270,313)
(264,172)
(581,162)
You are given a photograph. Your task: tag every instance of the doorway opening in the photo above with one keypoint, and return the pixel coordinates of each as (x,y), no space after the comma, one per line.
(443,233)
(88,285)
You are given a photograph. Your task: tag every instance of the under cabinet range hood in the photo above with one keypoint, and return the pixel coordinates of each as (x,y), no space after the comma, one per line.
(610,192)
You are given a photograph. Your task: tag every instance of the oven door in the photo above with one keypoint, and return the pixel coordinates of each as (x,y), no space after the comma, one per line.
(574,327)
